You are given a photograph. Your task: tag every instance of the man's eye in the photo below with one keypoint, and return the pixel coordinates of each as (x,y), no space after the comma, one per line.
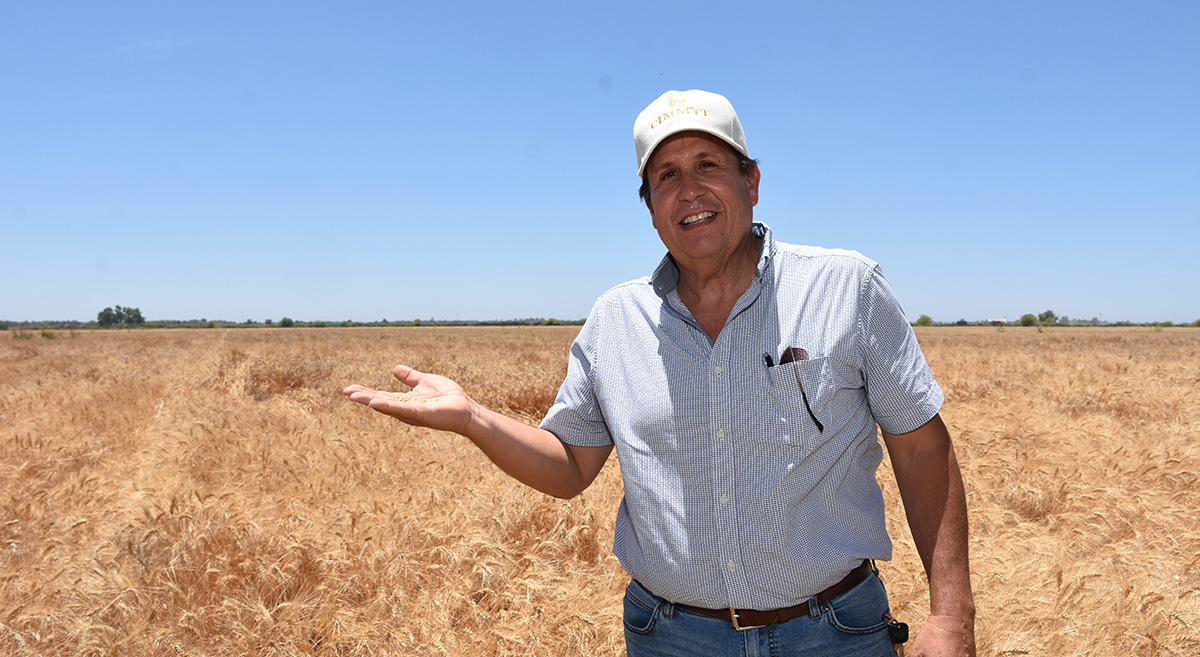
(666,174)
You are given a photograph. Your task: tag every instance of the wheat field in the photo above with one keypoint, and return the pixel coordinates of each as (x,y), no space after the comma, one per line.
(211,492)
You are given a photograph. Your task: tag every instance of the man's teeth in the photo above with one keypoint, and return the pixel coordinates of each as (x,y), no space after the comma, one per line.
(697,217)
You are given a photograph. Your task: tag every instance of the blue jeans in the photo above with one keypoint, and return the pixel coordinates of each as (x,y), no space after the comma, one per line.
(850,624)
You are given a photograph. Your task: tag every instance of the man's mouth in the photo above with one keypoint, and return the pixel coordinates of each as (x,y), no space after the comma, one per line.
(696,218)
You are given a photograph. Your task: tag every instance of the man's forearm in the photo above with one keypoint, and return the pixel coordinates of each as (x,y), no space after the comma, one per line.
(931,488)
(534,456)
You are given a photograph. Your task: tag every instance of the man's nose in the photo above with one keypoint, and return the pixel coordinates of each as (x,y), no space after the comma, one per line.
(690,187)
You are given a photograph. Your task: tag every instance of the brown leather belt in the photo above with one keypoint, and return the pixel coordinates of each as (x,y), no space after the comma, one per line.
(749,619)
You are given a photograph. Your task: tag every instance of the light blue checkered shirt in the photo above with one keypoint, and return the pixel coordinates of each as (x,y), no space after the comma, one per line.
(733,498)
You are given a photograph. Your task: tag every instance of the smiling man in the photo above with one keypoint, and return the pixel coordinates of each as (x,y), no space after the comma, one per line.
(741,385)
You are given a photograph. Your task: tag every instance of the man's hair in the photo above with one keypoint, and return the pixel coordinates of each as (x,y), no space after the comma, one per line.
(745,165)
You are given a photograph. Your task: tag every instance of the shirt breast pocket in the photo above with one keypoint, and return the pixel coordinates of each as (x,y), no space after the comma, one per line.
(802,389)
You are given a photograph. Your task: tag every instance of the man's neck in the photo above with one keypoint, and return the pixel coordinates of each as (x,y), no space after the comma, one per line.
(711,292)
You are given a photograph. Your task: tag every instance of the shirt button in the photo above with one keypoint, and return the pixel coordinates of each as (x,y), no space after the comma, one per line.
(720,434)
(718,369)
(731,566)
(724,499)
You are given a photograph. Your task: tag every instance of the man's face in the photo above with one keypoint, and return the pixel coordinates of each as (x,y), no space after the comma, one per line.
(700,202)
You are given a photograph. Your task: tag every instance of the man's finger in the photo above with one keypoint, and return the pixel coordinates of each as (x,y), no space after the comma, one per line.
(407,375)
(363,395)
(403,408)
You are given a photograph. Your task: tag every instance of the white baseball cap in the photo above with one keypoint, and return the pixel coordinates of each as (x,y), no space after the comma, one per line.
(677,111)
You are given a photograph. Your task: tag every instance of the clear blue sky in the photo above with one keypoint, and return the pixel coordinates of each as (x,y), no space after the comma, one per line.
(372,160)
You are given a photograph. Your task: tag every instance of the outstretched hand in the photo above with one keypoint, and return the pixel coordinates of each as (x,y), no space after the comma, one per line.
(434,401)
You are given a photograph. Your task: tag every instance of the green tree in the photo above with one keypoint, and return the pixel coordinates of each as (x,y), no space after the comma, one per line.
(107,317)
(287,322)
(1029,319)
(1048,318)
(924,320)
(119,315)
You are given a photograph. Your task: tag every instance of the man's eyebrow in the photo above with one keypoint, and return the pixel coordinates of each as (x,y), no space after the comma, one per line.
(659,166)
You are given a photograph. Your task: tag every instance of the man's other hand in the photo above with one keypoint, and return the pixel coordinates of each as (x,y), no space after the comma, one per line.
(945,636)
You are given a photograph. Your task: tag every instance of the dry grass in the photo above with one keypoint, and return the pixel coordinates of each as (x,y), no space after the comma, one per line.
(209,492)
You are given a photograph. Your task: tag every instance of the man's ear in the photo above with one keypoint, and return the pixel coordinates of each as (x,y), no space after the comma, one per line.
(752,179)
(651,209)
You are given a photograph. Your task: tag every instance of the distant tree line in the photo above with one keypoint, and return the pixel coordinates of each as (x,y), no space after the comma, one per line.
(127,317)
(122,317)
(1048,318)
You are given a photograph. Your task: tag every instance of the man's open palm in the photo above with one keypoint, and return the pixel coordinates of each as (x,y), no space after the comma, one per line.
(434,401)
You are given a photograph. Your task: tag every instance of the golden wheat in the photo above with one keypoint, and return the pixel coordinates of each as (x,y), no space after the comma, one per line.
(210,492)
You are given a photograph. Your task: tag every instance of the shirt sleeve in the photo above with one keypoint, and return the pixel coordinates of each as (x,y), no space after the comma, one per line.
(901,389)
(576,417)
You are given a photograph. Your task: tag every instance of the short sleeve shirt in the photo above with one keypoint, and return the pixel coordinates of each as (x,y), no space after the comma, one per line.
(733,495)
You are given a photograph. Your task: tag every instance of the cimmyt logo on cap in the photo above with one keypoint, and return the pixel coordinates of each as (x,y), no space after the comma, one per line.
(679,107)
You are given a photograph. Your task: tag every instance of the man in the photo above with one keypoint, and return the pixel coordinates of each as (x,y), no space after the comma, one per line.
(741,385)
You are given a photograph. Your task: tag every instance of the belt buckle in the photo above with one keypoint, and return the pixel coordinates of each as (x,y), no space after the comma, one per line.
(733,616)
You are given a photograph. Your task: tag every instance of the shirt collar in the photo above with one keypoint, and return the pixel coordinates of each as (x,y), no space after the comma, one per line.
(666,276)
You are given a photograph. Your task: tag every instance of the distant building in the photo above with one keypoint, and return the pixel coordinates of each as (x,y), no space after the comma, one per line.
(997,322)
